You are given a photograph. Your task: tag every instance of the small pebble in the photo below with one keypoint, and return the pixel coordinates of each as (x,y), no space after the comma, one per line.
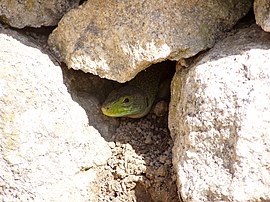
(161,171)
(161,108)
(162,158)
(148,139)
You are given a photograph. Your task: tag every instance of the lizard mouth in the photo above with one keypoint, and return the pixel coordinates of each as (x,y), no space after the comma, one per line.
(106,110)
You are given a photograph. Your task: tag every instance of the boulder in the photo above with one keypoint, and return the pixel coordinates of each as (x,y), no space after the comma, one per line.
(219,120)
(49,151)
(118,40)
(262,14)
(32,13)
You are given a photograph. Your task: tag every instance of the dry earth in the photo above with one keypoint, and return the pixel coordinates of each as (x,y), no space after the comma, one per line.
(141,167)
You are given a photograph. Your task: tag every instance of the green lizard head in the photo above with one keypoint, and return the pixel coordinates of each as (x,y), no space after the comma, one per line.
(128,101)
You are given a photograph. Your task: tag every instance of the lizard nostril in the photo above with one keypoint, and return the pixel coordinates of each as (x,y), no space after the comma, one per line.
(104,108)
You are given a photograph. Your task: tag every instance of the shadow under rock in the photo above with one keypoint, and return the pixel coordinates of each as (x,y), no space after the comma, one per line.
(89,91)
(143,147)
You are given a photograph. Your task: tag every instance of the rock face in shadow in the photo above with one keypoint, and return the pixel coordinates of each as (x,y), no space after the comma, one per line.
(48,149)
(219,119)
(118,40)
(33,13)
(262,14)
(89,91)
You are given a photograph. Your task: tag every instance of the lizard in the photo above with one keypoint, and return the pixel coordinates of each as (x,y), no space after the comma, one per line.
(136,97)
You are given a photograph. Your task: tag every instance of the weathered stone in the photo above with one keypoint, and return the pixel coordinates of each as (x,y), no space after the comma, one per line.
(116,40)
(262,14)
(219,119)
(48,150)
(32,13)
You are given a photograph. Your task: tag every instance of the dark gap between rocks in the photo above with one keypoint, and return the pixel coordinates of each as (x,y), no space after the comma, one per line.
(141,165)
(140,168)
(82,1)
(246,21)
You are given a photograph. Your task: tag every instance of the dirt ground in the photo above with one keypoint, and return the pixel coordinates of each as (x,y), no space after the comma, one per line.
(140,168)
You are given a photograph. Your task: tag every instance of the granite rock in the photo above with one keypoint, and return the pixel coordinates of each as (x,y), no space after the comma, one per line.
(219,120)
(48,149)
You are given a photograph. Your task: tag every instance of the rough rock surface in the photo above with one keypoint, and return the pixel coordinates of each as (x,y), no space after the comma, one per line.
(48,150)
(33,13)
(116,40)
(219,119)
(262,14)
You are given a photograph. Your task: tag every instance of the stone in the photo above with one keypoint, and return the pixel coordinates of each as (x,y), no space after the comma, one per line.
(32,13)
(262,14)
(118,40)
(48,149)
(161,108)
(219,120)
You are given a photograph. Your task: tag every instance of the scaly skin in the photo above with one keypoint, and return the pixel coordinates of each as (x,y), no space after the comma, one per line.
(135,99)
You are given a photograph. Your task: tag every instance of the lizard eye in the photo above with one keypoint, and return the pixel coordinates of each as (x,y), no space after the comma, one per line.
(126,100)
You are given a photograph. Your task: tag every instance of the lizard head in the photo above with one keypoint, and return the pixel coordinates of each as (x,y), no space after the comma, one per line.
(128,101)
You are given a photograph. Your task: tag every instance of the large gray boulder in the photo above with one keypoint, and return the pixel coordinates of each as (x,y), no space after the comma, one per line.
(118,40)
(34,13)
(262,14)
(48,149)
(219,119)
